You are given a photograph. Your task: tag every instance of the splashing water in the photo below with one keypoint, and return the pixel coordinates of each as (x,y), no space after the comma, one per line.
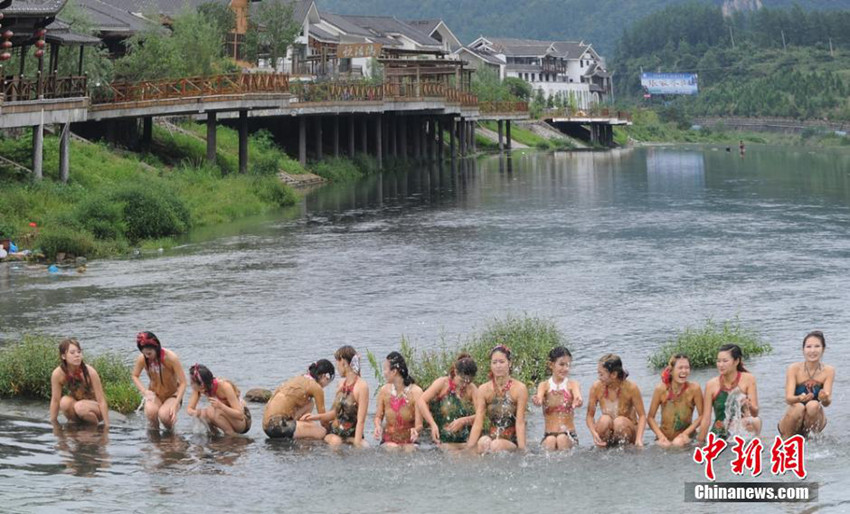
(737,412)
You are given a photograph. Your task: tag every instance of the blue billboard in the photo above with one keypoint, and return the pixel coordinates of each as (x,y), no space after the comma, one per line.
(669,83)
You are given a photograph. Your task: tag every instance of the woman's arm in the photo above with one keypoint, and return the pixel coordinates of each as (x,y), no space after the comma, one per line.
(575,389)
(692,428)
(710,387)
(826,399)
(99,395)
(478,424)
(194,398)
(179,374)
(362,410)
(521,407)
(537,399)
(591,413)
(424,411)
(753,398)
(318,394)
(379,413)
(137,372)
(637,401)
(660,389)
(232,399)
(55,394)
(791,385)
(416,392)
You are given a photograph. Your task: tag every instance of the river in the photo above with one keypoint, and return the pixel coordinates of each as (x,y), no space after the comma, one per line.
(620,249)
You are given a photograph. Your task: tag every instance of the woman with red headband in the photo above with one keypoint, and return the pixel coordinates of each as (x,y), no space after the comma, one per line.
(167,381)
(504,400)
(677,398)
(84,401)
(226,411)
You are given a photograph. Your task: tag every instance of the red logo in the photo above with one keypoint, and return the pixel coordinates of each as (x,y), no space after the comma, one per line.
(747,457)
(708,453)
(788,456)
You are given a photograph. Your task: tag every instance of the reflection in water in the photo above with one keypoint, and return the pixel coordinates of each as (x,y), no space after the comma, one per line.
(83,448)
(675,172)
(168,449)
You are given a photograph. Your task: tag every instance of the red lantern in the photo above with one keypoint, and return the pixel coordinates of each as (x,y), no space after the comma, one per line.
(8,34)
(5,56)
(6,44)
(39,43)
(40,32)
(2,16)
(39,53)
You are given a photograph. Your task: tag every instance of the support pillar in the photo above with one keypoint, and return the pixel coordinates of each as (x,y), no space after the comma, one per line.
(440,139)
(392,140)
(38,152)
(508,134)
(423,136)
(461,136)
(318,138)
(472,143)
(402,136)
(351,136)
(452,124)
(302,140)
(147,133)
(501,125)
(417,138)
(211,137)
(64,153)
(379,136)
(364,142)
(336,136)
(243,141)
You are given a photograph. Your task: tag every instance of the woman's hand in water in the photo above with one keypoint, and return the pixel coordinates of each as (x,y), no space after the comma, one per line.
(378,432)
(455,426)
(215,403)
(823,397)
(435,434)
(414,434)
(806,397)
(663,442)
(681,440)
(639,443)
(307,417)
(578,401)
(149,395)
(598,441)
(536,400)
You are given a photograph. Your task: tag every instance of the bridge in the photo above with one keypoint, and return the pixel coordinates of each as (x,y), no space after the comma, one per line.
(406,118)
(595,125)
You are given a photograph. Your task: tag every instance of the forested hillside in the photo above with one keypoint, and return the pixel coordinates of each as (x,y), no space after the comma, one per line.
(765,63)
(598,21)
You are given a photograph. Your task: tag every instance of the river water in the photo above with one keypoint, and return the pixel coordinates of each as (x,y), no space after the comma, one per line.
(620,249)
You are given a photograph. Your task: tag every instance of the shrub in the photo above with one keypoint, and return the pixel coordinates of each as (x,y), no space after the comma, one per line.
(151,213)
(25,370)
(701,344)
(272,190)
(101,217)
(338,169)
(529,338)
(68,240)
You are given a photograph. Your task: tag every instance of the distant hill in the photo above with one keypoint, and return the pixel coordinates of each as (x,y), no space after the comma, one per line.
(600,22)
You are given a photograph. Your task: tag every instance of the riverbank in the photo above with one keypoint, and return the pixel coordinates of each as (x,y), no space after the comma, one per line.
(117,200)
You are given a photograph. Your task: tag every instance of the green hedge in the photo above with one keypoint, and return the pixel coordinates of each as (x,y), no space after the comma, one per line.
(701,344)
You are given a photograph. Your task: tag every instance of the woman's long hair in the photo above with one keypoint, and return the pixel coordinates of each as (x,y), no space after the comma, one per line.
(148,339)
(735,351)
(398,363)
(63,349)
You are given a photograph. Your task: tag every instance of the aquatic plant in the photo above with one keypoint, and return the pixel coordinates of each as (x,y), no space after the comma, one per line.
(700,344)
(529,338)
(26,366)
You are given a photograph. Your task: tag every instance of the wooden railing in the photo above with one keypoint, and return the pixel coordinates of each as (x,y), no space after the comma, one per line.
(19,89)
(120,92)
(594,111)
(502,107)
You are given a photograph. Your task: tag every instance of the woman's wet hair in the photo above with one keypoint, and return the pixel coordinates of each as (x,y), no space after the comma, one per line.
(201,375)
(398,363)
(614,365)
(735,351)
(816,334)
(501,349)
(64,346)
(463,365)
(149,340)
(667,374)
(321,367)
(349,355)
(558,352)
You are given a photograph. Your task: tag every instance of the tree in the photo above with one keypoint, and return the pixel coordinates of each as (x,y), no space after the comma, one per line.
(277,28)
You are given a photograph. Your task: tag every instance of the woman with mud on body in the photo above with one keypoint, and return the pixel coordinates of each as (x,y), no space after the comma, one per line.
(75,388)
(397,420)
(347,416)
(808,389)
(732,396)
(559,396)
(226,411)
(677,398)
(504,401)
(448,405)
(623,418)
(287,412)
(166,381)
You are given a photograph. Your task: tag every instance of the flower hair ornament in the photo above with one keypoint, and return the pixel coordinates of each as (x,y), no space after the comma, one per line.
(355,363)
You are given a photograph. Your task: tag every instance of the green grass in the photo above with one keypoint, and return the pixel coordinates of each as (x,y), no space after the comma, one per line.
(530,139)
(26,367)
(529,338)
(700,344)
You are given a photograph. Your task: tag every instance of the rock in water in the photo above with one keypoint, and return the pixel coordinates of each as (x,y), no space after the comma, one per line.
(258,395)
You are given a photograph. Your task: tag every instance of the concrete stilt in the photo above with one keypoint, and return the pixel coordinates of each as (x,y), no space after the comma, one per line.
(364,142)
(472,143)
(64,153)
(461,136)
(351,136)
(416,127)
(379,136)
(440,139)
(243,141)
(452,124)
(302,140)
(392,140)
(318,135)
(336,136)
(402,135)
(508,134)
(501,125)
(38,152)
(211,137)
(147,133)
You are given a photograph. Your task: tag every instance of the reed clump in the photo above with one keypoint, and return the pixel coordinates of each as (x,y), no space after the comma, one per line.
(700,344)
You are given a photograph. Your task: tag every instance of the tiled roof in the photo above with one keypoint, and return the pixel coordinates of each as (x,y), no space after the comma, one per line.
(110,19)
(426,26)
(61,33)
(385,25)
(167,7)
(34,7)
(322,35)
(344,25)
(570,49)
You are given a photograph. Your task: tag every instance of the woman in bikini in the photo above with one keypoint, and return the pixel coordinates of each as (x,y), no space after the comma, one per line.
(504,400)
(75,388)
(397,406)
(448,405)
(226,411)
(677,399)
(808,389)
(347,416)
(623,418)
(167,381)
(559,396)
(287,413)
(735,385)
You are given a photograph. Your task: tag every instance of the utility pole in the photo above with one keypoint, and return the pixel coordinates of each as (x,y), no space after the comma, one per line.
(731,36)
(784,48)
(831,52)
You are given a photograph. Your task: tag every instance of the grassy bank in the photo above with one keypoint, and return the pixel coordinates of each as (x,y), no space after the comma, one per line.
(700,344)
(529,138)
(115,199)
(26,366)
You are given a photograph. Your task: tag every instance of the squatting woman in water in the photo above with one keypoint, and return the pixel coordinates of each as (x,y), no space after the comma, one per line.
(166,379)
(677,399)
(397,405)
(448,405)
(808,389)
(226,412)
(82,399)
(347,417)
(503,400)
(623,418)
(732,396)
(286,414)
(559,396)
